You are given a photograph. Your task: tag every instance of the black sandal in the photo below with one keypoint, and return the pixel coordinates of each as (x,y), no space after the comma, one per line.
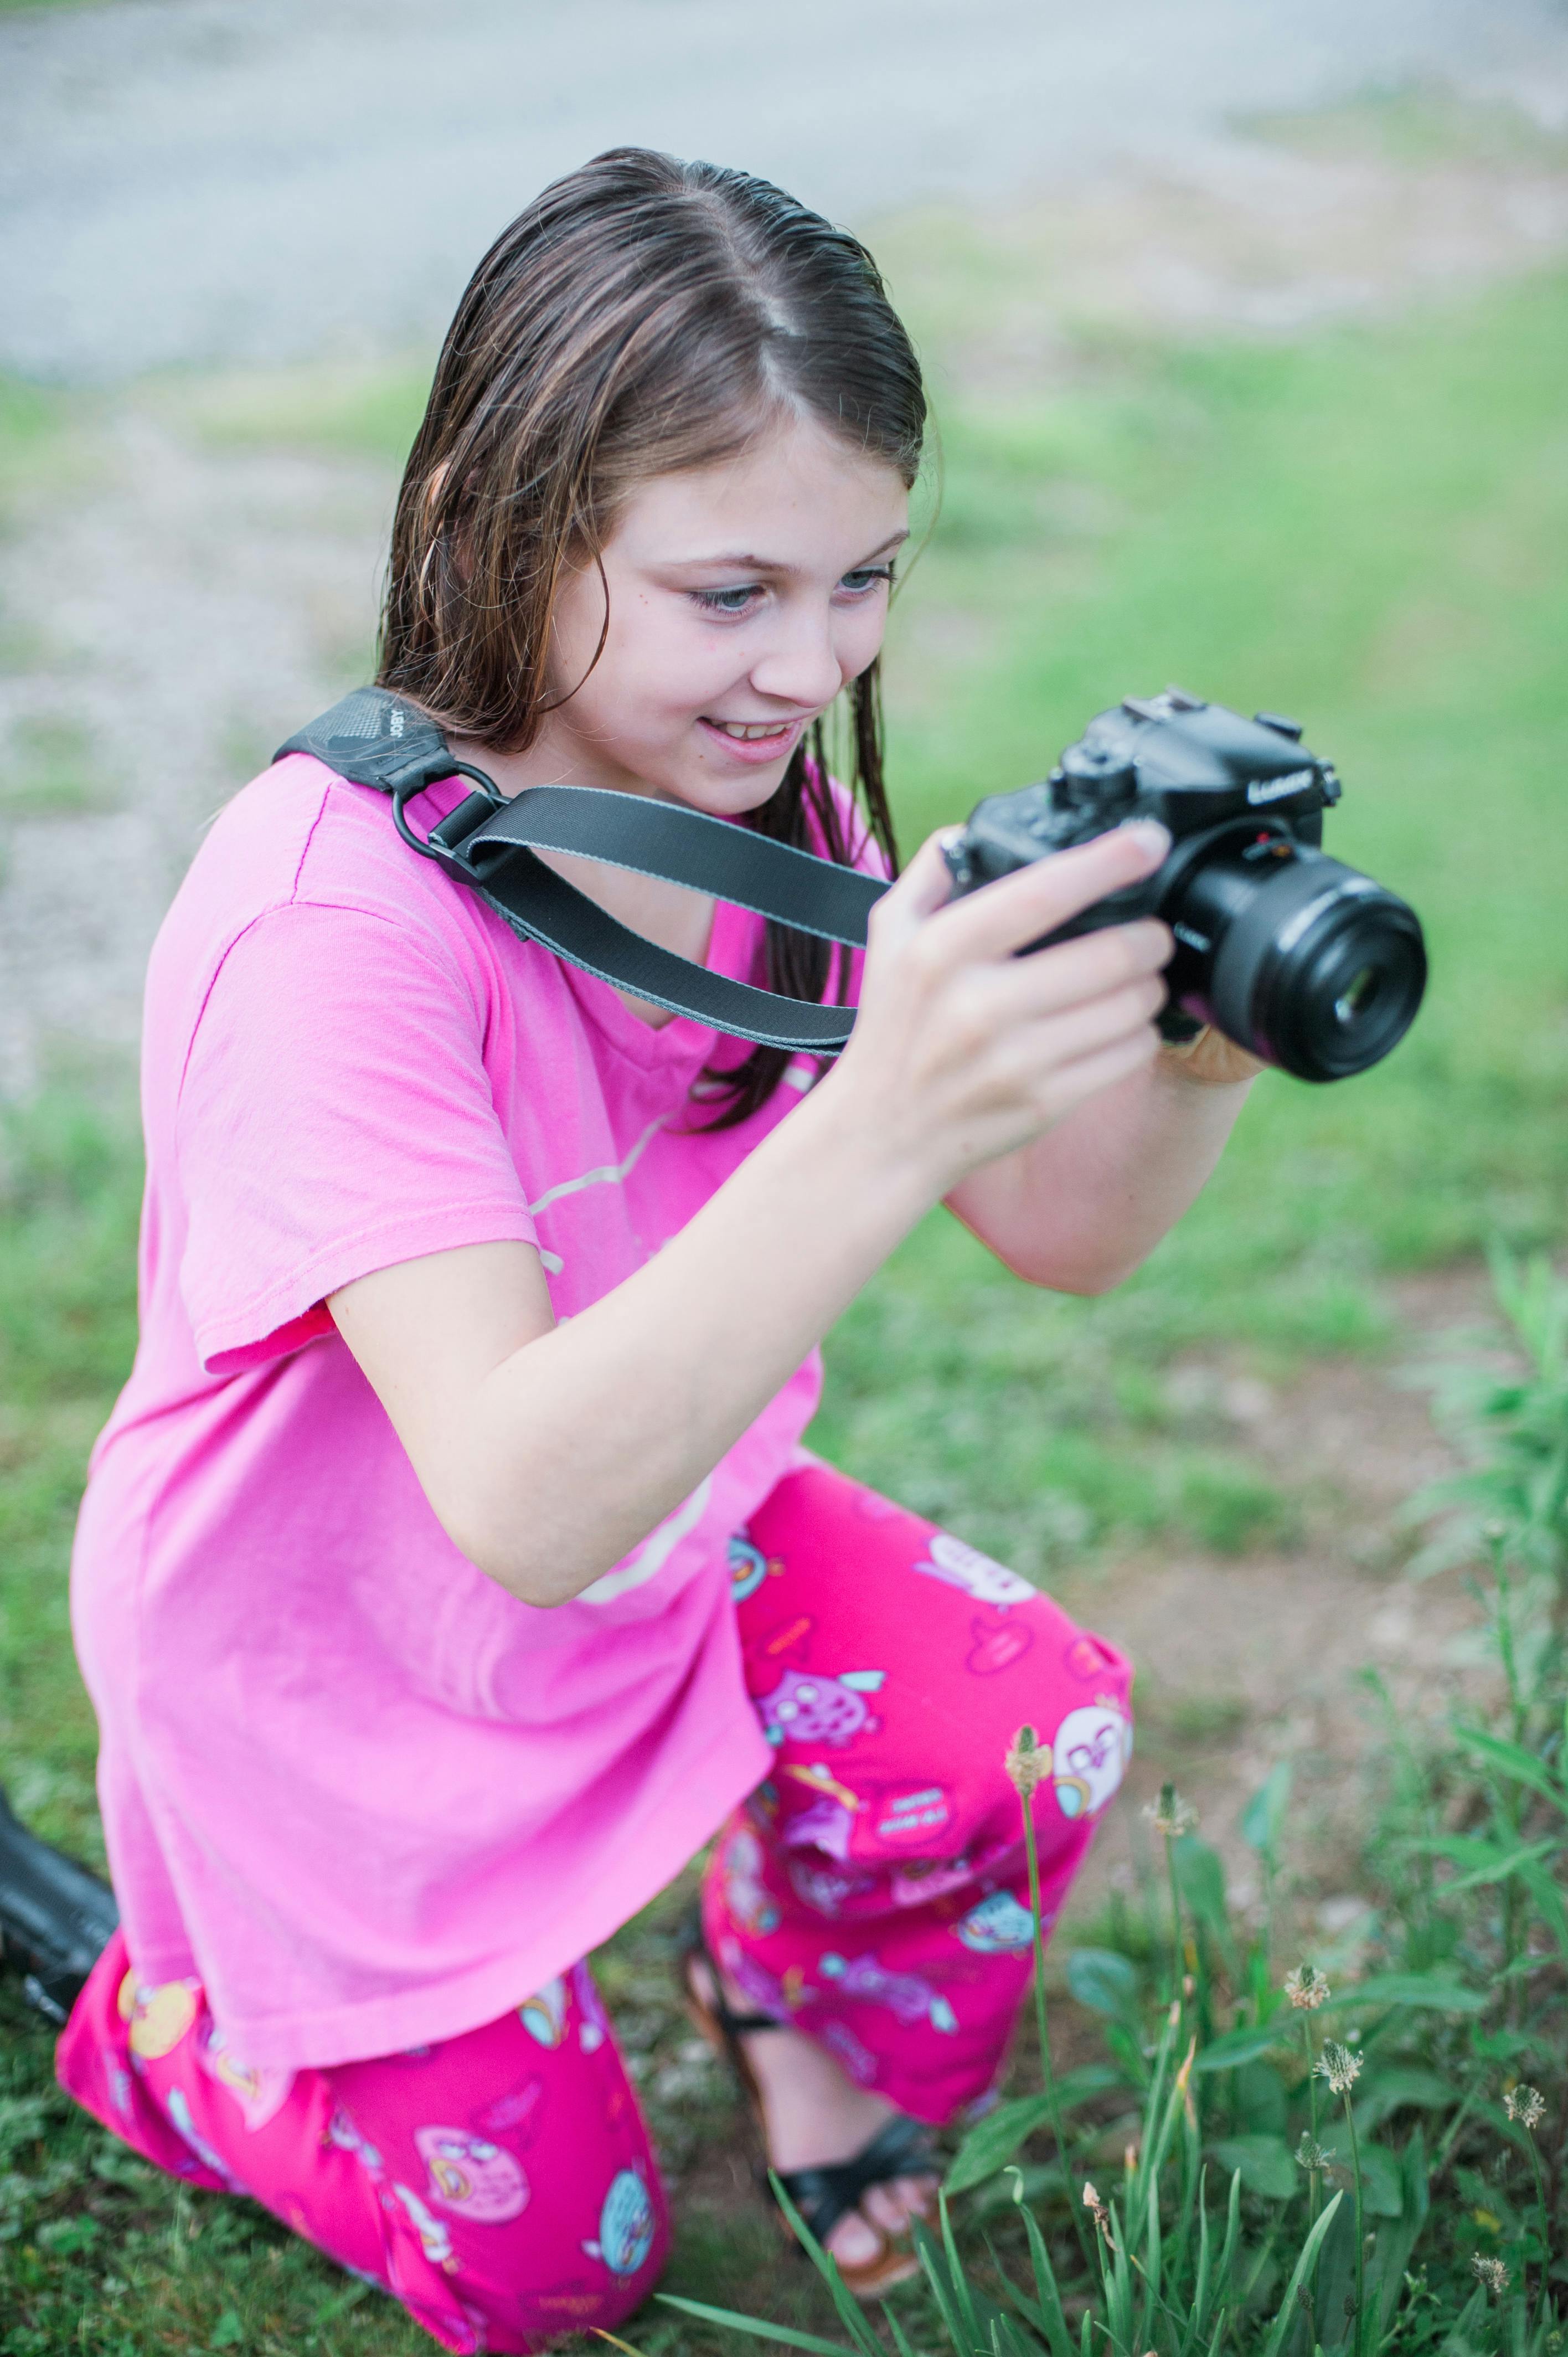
(825,2194)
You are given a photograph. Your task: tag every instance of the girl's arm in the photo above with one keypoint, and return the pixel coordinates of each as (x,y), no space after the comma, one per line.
(548,1451)
(1078,1209)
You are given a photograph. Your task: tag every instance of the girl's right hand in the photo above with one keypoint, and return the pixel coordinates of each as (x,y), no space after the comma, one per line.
(962,1051)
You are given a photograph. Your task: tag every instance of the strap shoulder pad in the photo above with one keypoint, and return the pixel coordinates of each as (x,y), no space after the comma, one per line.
(375,739)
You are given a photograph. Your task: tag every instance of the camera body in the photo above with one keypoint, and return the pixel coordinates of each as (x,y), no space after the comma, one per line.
(1305,962)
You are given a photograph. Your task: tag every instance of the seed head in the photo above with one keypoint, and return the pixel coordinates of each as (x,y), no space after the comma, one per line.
(1525,2104)
(1338,2066)
(1028,1762)
(1311,2156)
(1307,1989)
(1170,1815)
(1492,2273)
(1101,2215)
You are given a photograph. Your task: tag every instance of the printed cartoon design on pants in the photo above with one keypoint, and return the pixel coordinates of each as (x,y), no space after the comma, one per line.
(748,1568)
(916,1881)
(829,1823)
(593,2022)
(746,1895)
(341,2133)
(905,1995)
(961,1566)
(904,1814)
(996,1926)
(159,2016)
(543,2015)
(466,2174)
(178,2110)
(515,2114)
(627,2225)
(857,2057)
(821,1889)
(261,2093)
(434,2239)
(762,1990)
(805,1708)
(1089,1752)
(996,1646)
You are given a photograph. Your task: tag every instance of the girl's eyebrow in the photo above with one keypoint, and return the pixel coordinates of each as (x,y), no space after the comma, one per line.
(745,560)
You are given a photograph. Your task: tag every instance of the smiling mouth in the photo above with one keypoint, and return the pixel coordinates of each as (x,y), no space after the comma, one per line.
(753,732)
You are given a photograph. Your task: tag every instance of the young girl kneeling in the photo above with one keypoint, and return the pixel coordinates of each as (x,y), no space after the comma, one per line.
(451,1568)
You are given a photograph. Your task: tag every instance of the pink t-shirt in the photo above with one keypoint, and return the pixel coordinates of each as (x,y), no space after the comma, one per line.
(368,1796)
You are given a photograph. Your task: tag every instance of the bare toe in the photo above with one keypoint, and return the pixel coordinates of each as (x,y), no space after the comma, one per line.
(853,2242)
(892,2206)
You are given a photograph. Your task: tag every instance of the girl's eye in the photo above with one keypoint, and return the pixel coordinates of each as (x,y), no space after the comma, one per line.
(727,601)
(857,584)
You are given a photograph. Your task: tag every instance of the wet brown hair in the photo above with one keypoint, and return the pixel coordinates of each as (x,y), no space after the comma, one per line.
(642,316)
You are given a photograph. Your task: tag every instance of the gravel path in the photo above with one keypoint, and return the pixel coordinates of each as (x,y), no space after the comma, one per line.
(191,180)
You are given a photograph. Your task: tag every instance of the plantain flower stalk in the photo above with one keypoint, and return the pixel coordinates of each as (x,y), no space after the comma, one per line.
(1307,1989)
(1028,1763)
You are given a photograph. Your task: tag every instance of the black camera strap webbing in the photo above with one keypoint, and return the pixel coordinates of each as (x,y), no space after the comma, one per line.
(489,844)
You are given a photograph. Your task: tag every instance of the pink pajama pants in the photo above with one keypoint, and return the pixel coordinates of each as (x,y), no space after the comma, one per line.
(501,2184)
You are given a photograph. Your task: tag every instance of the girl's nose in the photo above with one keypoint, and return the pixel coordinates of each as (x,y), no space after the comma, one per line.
(801,665)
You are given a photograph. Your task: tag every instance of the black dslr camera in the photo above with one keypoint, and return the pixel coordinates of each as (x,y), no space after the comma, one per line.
(1305,962)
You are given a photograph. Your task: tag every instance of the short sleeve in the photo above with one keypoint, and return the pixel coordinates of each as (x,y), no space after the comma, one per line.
(335,1117)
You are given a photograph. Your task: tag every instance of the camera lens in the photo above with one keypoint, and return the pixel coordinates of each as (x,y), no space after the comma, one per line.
(1313,965)
(1357,995)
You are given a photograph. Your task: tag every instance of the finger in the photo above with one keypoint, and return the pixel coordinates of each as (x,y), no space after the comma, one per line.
(923,888)
(1078,970)
(1016,910)
(1060,1040)
(1073,1084)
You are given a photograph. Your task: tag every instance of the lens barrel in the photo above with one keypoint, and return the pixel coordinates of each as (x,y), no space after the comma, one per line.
(1308,964)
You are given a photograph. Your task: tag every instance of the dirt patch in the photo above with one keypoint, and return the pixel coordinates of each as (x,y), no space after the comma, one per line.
(1244,1662)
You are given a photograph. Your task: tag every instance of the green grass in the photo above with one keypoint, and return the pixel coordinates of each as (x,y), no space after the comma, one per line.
(1368,528)
(1416,2203)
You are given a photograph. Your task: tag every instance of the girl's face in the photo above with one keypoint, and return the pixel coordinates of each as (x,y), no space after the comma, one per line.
(742,598)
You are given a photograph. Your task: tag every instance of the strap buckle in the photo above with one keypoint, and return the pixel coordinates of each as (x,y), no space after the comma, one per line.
(444,842)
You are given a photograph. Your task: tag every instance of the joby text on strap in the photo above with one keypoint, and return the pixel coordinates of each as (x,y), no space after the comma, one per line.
(489,844)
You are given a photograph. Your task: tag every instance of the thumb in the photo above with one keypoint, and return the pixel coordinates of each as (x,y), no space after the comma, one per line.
(924,887)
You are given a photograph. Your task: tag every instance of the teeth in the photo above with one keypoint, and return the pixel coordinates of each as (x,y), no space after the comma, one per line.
(748,730)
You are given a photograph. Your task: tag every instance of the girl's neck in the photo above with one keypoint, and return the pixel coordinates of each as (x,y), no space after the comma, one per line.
(669,914)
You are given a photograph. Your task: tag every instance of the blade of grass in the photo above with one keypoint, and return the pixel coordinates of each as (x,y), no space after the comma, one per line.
(928,2251)
(1288,2311)
(754,2325)
(1053,2321)
(957,2277)
(850,2313)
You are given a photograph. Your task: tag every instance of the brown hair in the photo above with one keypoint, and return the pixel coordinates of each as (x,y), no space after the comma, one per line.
(640,316)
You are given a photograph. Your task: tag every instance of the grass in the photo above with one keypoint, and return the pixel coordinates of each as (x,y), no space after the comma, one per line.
(1368,528)
(1356,2164)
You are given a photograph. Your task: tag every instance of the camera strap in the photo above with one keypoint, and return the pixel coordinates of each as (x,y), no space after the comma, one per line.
(489,844)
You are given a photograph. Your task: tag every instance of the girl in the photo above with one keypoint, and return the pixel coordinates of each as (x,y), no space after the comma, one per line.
(451,1570)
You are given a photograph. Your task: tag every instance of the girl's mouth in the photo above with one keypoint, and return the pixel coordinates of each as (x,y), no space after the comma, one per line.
(754,740)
